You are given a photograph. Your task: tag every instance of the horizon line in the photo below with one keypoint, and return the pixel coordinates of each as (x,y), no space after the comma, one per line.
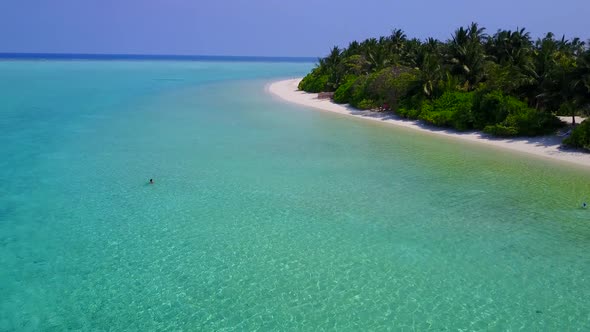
(116,56)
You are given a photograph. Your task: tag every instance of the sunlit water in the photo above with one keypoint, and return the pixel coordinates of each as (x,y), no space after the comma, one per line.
(266,215)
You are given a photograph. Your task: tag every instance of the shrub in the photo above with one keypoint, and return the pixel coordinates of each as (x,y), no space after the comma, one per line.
(343,94)
(411,106)
(390,85)
(503,115)
(500,130)
(580,136)
(493,107)
(366,104)
(314,82)
(530,122)
(452,109)
(409,113)
(357,91)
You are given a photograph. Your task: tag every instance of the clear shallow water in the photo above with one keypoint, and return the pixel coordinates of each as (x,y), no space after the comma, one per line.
(266,215)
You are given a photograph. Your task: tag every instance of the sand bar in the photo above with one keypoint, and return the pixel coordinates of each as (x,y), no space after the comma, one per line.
(545,146)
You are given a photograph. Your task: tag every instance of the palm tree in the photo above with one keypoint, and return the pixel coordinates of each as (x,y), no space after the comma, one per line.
(544,59)
(411,53)
(580,78)
(333,68)
(429,61)
(560,64)
(375,54)
(394,45)
(466,54)
(583,72)
(352,49)
(510,47)
(334,57)
(397,38)
(512,51)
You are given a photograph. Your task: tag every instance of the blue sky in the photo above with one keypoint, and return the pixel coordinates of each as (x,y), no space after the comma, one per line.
(261,27)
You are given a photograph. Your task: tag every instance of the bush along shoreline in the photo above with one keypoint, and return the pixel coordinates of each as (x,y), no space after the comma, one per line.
(503,84)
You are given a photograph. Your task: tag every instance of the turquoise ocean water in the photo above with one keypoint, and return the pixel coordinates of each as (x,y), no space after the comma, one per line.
(266,215)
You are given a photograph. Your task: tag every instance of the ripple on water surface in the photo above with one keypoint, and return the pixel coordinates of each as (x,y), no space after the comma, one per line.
(268,216)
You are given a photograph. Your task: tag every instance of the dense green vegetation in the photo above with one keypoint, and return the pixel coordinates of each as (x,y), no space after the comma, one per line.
(505,84)
(580,136)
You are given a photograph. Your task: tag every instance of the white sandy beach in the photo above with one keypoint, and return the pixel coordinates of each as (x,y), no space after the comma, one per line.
(545,146)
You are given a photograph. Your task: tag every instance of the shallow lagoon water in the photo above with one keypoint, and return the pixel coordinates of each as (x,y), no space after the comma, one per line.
(266,215)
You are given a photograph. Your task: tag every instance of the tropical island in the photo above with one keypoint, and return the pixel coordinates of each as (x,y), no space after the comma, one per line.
(505,84)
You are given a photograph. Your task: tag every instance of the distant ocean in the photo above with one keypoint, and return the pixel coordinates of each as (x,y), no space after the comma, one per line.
(265,215)
(138,57)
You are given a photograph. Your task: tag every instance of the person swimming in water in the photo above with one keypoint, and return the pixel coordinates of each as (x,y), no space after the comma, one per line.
(151,181)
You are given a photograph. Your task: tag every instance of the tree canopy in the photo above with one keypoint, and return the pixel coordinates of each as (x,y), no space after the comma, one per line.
(504,83)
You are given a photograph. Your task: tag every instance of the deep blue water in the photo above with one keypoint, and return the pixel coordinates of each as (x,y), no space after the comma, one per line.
(169,57)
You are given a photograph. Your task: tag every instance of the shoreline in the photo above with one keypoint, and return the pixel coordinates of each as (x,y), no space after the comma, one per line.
(543,146)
